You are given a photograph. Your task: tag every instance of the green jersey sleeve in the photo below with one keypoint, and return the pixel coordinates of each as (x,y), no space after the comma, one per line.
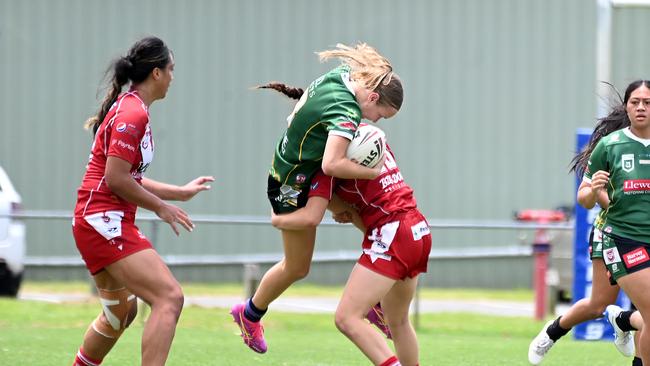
(597,160)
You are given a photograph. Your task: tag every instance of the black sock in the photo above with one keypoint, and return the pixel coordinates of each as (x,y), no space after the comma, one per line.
(623,320)
(555,331)
(637,362)
(252,313)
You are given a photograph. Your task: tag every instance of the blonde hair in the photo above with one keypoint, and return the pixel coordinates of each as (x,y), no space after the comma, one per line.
(372,70)
(368,66)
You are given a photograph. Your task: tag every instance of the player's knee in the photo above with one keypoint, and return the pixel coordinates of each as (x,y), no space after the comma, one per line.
(298,272)
(397,321)
(119,310)
(597,308)
(342,320)
(174,300)
(133,312)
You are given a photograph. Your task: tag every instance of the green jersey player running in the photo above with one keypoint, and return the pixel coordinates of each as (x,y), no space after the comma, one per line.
(619,165)
(603,294)
(319,131)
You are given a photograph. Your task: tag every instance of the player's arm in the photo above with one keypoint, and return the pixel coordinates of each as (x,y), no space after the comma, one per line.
(173,192)
(593,187)
(344,213)
(307,217)
(588,196)
(336,164)
(120,182)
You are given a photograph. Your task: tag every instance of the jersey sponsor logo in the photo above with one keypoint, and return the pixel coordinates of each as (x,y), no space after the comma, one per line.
(124,145)
(627,162)
(636,186)
(314,186)
(611,256)
(636,257)
(391,179)
(121,127)
(420,229)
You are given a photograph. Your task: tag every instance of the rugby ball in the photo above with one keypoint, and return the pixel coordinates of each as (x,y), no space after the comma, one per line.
(368,146)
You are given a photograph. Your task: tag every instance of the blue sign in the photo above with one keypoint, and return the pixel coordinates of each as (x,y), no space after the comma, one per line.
(598,329)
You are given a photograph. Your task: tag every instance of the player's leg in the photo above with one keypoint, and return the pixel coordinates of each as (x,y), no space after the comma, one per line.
(637,285)
(298,252)
(396,309)
(602,294)
(119,308)
(363,290)
(146,275)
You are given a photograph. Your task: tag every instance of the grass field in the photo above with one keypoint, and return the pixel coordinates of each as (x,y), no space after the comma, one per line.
(37,333)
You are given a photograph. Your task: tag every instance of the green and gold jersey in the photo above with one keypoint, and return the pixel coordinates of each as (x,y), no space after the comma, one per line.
(627,159)
(327,107)
(599,221)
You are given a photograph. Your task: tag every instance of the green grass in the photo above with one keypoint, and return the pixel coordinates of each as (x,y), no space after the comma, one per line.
(299,289)
(36,333)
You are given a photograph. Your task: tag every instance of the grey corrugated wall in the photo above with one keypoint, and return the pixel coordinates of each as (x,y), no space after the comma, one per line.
(494,92)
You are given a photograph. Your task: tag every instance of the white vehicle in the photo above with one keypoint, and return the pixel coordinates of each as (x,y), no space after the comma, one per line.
(12,238)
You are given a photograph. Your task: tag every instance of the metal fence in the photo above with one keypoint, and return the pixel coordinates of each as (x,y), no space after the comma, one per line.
(319,256)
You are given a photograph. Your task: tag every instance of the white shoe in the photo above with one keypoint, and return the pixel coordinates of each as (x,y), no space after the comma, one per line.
(624,341)
(540,345)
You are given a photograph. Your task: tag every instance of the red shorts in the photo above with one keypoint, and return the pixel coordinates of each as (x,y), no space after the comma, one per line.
(106,237)
(398,248)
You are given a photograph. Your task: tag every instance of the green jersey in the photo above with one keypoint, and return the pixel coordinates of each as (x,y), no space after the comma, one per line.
(328,107)
(627,159)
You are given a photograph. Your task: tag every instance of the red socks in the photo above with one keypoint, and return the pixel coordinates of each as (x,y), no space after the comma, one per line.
(393,361)
(82,360)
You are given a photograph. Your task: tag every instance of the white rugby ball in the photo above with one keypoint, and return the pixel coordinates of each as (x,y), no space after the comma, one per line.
(367,146)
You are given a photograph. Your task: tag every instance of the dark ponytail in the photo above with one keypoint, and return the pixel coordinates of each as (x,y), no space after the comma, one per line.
(289,91)
(144,56)
(617,119)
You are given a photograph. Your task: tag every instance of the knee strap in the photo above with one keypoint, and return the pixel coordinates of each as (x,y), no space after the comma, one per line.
(118,308)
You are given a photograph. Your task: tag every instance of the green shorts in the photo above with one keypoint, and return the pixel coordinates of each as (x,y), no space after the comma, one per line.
(623,256)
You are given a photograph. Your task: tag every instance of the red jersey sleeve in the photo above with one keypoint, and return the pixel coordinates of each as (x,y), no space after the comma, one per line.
(128,129)
(322,186)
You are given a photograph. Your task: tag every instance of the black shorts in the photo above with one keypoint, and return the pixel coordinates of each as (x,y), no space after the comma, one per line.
(595,243)
(624,256)
(285,198)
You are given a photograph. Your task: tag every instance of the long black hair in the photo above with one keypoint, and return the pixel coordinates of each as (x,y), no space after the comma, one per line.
(144,56)
(615,120)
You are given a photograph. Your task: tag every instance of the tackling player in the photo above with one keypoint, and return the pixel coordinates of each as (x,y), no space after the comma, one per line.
(396,247)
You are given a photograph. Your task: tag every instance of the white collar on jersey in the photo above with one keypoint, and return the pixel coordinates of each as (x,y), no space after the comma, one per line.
(348,83)
(628,133)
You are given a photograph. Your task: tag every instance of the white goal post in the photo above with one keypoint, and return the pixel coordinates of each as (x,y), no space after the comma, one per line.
(604,44)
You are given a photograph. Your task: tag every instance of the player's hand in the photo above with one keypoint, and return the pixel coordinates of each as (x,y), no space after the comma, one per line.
(174,215)
(599,180)
(377,169)
(343,217)
(195,186)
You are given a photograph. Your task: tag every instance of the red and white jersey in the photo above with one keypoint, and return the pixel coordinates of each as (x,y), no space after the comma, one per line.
(125,133)
(376,200)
